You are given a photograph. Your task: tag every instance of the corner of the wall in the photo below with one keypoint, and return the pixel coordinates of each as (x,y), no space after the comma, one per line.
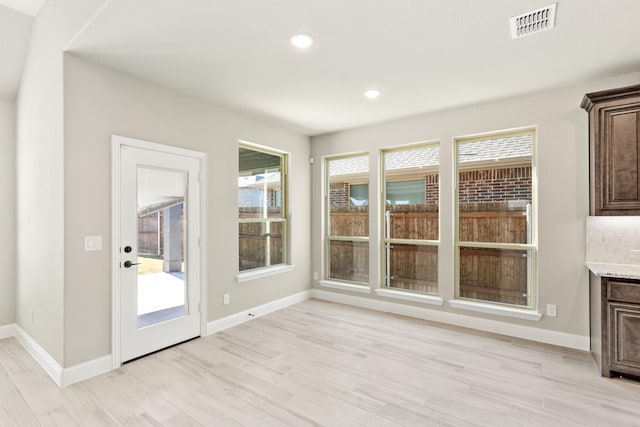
(40,355)
(61,376)
(86,370)
(7,331)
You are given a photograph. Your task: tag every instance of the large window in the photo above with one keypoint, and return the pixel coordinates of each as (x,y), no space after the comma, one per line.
(347,214)
(262,178)
(410,220)
(496,217)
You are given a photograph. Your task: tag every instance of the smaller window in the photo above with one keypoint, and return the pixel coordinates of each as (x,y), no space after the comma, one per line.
(411,192)
(261,207)
(359,194)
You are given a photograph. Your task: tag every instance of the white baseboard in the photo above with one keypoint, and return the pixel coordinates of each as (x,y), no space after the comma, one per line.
(562,339)
(67,376)
(86,370)
(7,331)
(61,376)
(246,315)
(40,355)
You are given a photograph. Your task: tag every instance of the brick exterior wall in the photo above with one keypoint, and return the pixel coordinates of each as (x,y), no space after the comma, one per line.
(487,185)
(271,197)
(432,182)
(483,185)
(339,193)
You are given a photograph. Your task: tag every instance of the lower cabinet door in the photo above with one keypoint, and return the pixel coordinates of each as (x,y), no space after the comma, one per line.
(624,342)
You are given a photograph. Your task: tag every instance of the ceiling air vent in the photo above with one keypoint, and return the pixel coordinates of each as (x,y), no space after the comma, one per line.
(533,22)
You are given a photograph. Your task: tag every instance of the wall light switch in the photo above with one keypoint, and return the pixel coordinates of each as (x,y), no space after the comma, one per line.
(225,299)
(93,243)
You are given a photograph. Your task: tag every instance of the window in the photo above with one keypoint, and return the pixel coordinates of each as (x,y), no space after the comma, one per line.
(496,217)
(262,179)
(410,220)
(358,194)
(410,192)
(347,214)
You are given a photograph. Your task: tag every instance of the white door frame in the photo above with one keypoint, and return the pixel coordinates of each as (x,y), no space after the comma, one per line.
(117,142)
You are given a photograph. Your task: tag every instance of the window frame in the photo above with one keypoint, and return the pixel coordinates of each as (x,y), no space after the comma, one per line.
(385,238)
(284,196)
(531,247)
(327,238)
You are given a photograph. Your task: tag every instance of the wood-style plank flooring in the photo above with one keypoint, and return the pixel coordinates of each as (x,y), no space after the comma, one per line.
(320,363)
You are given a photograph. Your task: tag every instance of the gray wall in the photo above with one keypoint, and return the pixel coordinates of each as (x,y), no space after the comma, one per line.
(563,192)
(7,215)
(40,174)
(100,102)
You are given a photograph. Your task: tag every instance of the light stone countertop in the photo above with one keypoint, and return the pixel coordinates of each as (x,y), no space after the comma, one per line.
(620,271)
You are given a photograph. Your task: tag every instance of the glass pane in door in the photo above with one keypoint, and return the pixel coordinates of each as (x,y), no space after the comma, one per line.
(161,237)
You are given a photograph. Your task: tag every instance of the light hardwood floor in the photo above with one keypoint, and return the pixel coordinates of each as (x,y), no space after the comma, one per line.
(320,363)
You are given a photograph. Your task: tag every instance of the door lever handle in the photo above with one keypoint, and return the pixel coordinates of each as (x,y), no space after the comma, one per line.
(128,264)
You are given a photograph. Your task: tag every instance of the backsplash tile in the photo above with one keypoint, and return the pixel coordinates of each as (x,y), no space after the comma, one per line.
(611,238)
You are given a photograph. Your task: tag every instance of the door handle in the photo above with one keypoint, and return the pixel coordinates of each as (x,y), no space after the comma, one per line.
(128,264)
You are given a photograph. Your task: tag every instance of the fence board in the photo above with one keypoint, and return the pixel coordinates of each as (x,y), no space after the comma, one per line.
(491,275)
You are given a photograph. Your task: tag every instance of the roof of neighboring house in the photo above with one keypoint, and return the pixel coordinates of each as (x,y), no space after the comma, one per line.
(258,180)
(496,148)
(509,147)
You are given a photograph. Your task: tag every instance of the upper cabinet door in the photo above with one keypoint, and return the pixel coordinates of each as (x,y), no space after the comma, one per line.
(614,136)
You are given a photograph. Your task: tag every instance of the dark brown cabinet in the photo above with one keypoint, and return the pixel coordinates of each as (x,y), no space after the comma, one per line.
(614,138)
(620,327)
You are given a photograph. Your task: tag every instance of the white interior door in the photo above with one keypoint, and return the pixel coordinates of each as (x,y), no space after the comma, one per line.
(159,250)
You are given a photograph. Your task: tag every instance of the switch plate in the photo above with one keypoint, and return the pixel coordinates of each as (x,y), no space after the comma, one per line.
(551,310)
(315,275)
(634,254)
(92,243)
(226,299)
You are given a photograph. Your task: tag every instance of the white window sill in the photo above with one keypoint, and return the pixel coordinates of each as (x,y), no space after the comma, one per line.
(345,286)
(410,296)
(259,273)
(519,313)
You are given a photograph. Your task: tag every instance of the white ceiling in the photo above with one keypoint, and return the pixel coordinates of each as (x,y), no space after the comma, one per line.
(423,55)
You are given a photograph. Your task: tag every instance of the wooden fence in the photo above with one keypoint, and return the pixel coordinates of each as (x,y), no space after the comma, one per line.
(486,274)
(151,234)
(150,239)
(494,275)
(254,239)
(349,261)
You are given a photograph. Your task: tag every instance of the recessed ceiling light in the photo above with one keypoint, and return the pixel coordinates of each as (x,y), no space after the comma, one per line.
(301,41)
(372,94)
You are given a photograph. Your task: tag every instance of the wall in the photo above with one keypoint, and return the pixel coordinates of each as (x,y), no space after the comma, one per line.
(487,185)
(7,214)
(40,171)
(100,102)
(610,239)
(563,194)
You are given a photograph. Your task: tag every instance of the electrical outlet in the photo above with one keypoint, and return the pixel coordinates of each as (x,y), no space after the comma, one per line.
(315,275)
(226,299)
(634,254)
(551,310)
